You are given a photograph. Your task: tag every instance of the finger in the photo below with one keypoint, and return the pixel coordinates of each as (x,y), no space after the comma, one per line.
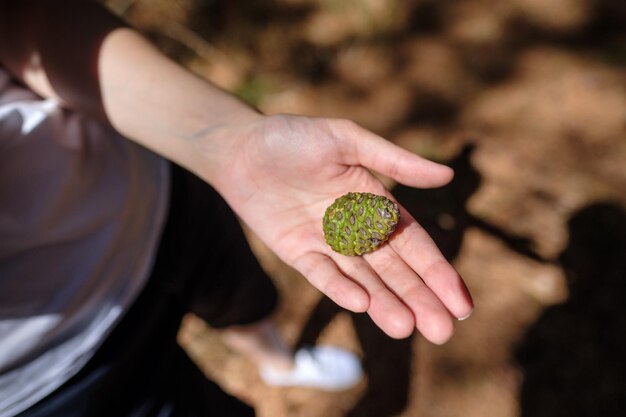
(374,152)
(323,274)
(417,249)
(432,319)
(385,309)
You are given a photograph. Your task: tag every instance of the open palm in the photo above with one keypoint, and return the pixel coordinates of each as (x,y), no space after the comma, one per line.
(284,172)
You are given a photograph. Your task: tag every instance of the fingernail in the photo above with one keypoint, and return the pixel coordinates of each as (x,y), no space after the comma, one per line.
(466,316)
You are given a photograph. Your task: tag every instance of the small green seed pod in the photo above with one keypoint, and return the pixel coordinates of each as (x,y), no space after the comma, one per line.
(358,223)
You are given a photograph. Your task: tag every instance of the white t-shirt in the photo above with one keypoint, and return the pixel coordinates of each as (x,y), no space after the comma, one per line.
(81,212)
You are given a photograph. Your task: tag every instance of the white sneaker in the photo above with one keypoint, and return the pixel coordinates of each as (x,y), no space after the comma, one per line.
(325,367)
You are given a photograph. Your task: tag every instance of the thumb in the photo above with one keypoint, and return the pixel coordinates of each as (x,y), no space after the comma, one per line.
(378,154)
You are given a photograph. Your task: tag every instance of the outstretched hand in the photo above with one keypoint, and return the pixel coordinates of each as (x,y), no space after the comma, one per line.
(284,171)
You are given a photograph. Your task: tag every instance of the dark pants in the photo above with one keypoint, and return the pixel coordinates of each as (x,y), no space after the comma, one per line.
(204,266)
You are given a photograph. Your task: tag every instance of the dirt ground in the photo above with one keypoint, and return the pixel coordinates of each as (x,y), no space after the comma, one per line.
(526,99)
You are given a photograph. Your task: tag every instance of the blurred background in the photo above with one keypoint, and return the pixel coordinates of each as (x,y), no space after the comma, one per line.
(526,99)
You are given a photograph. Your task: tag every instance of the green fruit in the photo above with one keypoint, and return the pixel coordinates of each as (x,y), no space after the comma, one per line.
(358,223)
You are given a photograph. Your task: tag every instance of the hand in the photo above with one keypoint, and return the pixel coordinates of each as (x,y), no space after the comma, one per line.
(282,173)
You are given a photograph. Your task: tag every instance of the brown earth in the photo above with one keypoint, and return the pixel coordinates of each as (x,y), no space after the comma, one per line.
(526,99)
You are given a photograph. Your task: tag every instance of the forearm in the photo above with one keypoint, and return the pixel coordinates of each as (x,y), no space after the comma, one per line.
(87,59)
(159,104)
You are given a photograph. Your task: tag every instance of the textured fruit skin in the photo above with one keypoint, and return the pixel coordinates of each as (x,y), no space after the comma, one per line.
(358,223)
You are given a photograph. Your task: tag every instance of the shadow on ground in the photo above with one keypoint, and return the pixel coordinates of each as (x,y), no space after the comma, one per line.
(573,356)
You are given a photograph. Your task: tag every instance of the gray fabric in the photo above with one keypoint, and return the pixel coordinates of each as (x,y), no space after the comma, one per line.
(81,211)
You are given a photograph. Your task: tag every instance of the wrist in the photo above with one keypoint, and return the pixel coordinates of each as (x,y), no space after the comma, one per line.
(218,147)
